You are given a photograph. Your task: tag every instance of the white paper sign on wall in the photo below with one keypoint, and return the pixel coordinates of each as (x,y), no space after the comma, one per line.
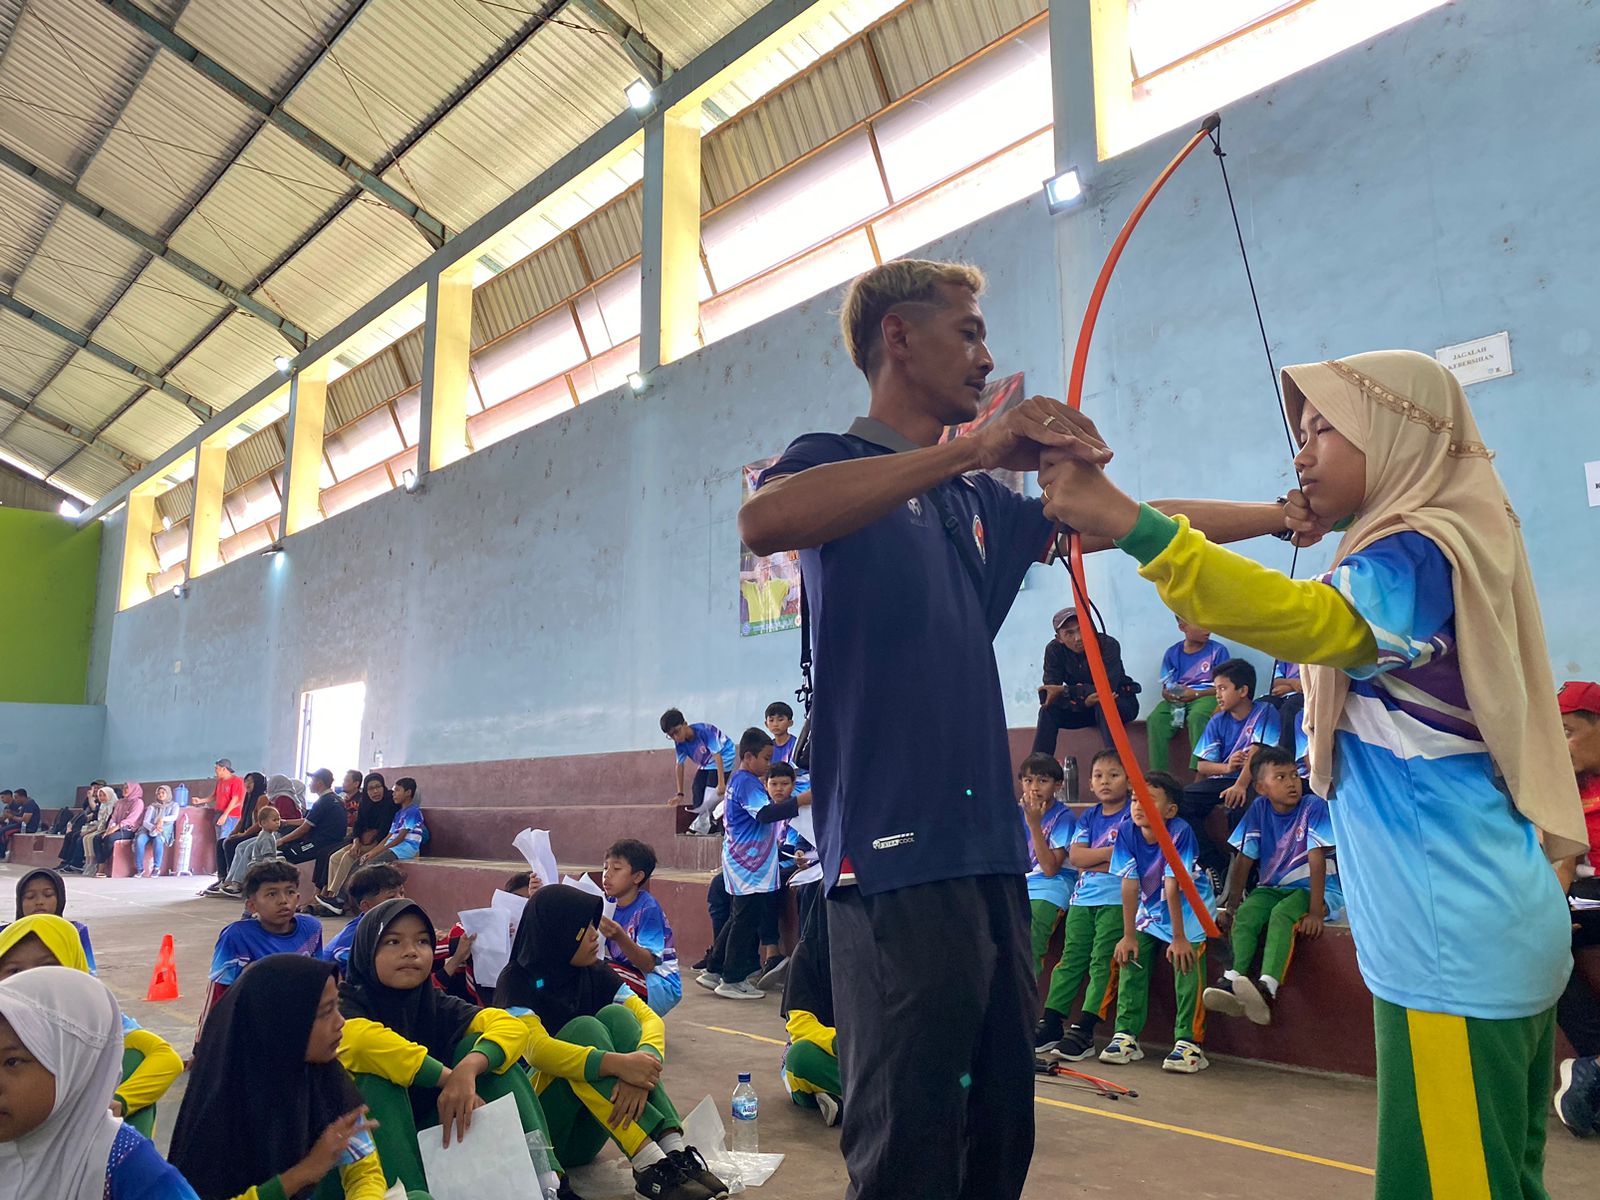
(1477,360)
(1591,471)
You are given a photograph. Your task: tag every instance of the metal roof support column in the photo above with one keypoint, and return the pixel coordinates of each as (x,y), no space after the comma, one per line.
(302,464)
(446,356)
(205,522)
(670,262)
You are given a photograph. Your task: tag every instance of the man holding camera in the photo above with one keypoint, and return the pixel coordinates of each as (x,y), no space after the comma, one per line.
(1067,697)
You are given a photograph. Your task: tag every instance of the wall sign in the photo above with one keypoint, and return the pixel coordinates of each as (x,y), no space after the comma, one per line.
(1477,360)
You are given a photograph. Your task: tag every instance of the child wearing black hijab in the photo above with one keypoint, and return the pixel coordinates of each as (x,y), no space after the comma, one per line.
(270,1058)
(599,1075)
(422,1058)
(42,890)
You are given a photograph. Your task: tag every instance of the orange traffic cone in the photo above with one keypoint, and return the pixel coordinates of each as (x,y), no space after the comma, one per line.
(164,979)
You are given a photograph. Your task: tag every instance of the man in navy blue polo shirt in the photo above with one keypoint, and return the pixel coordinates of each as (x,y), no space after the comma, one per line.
(910,565)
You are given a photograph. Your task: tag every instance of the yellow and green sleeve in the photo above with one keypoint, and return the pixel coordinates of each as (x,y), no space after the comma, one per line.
(549,1055)
(804,1027)
(361,1180)
(157,1072)
(372,1048)
(1295,620)
(652,1032)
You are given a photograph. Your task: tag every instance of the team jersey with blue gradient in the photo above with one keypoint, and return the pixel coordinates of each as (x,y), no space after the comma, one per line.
(707,745)
(1226,734)
(1282,844)
(1058,824)
(1182,669)
(749,847)
(1135,858)
(1098,830)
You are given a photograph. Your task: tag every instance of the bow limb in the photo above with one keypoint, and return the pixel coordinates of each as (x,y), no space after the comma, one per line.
(1080,586)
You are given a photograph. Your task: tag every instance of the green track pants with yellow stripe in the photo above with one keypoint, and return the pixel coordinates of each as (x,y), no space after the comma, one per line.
(1462,1105)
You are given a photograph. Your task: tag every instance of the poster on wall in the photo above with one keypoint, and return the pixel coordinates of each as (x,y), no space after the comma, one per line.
(999,397)
(769,584)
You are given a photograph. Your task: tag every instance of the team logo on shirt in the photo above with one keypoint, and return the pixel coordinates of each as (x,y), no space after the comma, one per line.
(977,537)
(915,505)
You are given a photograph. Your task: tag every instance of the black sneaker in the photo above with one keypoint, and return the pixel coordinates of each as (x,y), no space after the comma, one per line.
(1076,1045)
(564,1190)
(1047,1033)
(701,965)
(664,1179)
(695,1169)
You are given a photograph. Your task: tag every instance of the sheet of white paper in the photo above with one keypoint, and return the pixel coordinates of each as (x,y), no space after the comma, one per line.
(585,884)
(492,951)
(509,904)
(703,1129)
(491,1163)
(811,874)
(534,845)
(805,825)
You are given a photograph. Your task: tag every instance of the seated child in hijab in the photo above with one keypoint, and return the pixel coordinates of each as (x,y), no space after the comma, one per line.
(421,1058)
(58,1141)
(369,887)
(598,1076)
(305,1116)
(270,926)
(149,1065)
(44,891)
(811,1061)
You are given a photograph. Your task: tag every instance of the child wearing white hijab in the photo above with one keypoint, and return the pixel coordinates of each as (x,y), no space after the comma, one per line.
(60,1062)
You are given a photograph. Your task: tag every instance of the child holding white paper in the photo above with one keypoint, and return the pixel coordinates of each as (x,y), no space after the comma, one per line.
(452,955)
(639,945)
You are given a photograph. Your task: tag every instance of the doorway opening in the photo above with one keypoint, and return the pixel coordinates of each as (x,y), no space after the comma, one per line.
(330,728)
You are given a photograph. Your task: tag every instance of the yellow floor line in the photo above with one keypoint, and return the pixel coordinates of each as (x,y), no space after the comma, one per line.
(1210,1137)
(1131,1120)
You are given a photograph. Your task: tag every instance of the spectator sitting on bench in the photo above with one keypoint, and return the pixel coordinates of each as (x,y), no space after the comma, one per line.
(1240,724)
(369,887)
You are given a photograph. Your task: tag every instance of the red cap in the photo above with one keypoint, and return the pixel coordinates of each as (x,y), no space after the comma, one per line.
(1576,696)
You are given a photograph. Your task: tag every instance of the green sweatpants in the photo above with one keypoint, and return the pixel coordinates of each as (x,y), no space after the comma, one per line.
(1133,992)
(398,1119)
(1091,936)
(577,1109)
(1046,916)
(1158,729)
(1273,911)
(811,1069)
(1462,1104)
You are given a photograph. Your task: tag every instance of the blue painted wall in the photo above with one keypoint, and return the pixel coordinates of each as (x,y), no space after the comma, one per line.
(554,593)
(51,749)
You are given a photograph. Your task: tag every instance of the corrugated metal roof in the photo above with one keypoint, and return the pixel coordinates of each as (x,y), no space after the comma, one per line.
(158,316)
(91,473)
(87,391)
(612,235)
(363,389)
(177,502)
(344,266)
(533,285)
(66,73)
(28,355)
(232,360)
(78,270)
(266,44)
(680,31)
(255,456)
(555,91)
(25,215)
(154,423)
(177,133)
(931,36)
(37,442)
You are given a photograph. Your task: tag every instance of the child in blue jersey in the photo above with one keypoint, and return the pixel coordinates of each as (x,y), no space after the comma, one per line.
(42,890)
(1047,824)
(779,720)
(369,887)
(1187,698)
(270,926)
(1094,919)
(639,945)
(1287,831)
(1150,897)
(749,865)
(1240,724)
(1429,699)
(714,757)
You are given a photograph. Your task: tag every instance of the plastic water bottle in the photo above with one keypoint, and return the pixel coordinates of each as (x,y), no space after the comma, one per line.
(539,1150)
(185,847)
(745,1110)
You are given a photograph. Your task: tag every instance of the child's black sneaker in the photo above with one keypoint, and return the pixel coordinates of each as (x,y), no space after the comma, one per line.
(664,1179)
(1578,1095)
(1255,999)
(1076,1045)
(695,1169)
(1047,1033)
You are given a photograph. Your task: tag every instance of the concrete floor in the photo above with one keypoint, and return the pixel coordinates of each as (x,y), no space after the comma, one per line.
(1239,1129)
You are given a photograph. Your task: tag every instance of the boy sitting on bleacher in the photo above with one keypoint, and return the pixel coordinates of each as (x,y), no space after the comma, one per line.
(369,887)
(1288,831)
(270,926)
(638,944)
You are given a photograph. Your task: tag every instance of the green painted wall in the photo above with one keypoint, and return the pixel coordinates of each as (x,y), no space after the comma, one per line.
(47,585)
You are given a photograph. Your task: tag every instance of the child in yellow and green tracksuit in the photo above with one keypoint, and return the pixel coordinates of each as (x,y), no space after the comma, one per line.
(1429,699)
(811,1059)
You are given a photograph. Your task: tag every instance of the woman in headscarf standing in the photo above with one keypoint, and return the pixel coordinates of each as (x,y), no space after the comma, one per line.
(599,1074)
(1434,735)
(305,1118)
(59,1039)
(127,814)
(42,890)
(150,1066)
(419,1057)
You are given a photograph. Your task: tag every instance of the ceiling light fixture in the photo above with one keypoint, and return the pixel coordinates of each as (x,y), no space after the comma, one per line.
(637,382)
(640,95)
(1064,191)
(69,510)
(283,363)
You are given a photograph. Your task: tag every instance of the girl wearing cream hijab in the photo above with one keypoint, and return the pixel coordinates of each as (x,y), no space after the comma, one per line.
(60,1056)
(1433,732)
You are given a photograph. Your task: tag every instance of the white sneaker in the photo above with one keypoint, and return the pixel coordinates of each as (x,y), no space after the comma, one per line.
(1123,1048)
(701,825)
(1186,1059)
(1253,999)
(709,979)
(1222,1001)
(740,991)
(829,1108)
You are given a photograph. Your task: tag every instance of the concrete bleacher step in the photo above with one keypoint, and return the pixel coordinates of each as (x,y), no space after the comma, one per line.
(578,832)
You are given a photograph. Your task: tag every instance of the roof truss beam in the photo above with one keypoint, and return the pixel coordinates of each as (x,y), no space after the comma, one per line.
(640,51)
(431,227)
(152,245)
(83,436)
(82,340)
